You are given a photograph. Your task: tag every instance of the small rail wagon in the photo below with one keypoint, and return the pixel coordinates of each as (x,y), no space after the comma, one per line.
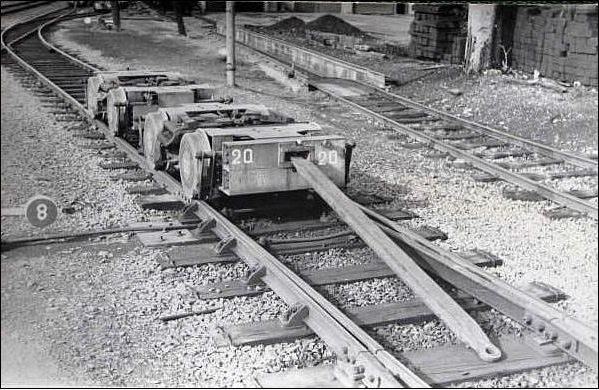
(101,83)
(127,106)
(164,128)
(235,161)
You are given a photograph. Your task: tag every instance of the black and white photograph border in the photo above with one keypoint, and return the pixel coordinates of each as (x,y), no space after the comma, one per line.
(299,194)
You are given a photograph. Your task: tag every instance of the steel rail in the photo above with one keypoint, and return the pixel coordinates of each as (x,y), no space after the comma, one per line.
(435,298)
(571,336)
(32,69)
(534,146)
(346,338)
(62,52)
(333,326)
(21,6)
(19,24)
(547,192)
(574,338)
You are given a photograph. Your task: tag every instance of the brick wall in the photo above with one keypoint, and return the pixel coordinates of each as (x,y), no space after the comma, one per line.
(559,41)
(437,32)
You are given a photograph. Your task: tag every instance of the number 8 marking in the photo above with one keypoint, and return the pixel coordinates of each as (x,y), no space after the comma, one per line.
(42,211)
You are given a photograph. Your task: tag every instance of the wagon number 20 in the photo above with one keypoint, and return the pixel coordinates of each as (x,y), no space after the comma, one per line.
(327,156)
(245,156)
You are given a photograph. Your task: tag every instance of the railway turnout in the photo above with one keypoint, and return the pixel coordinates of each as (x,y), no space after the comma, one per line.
(361,360)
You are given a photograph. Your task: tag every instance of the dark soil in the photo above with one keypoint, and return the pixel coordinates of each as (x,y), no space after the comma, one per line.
(332,24)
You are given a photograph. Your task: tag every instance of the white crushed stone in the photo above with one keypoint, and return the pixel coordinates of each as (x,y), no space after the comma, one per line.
(562,253)
(93,306)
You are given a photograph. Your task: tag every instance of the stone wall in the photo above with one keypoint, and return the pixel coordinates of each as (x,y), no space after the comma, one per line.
(559,41)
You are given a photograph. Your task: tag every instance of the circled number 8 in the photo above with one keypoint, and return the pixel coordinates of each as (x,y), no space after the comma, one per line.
(330,157)
(246,156)
(42,211)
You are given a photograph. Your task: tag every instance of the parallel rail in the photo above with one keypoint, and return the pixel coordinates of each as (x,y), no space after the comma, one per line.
(547,192)
(16,6)
(342,335)
(276,52)
(525,143)
(347,339)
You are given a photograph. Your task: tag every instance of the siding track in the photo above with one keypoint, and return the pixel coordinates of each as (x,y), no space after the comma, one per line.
(362,360)
(480,146)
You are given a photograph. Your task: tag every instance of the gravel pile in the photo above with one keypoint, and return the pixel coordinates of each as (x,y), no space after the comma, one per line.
(562,253)
(292,26)
(532,112)
(332,24)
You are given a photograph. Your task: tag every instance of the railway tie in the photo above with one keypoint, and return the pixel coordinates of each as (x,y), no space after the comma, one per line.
(360,357)
(423,285)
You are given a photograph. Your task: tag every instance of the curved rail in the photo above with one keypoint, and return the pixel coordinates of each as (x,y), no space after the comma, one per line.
(62,52)
(347,339)
(21,6)
(19,32)
(344,336)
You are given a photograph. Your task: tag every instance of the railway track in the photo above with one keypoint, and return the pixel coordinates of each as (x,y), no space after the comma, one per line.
(361,359)
(500,155)
(9,7)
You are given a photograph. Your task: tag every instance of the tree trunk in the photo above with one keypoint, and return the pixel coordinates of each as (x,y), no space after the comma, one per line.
(116,15)
(481,26)
(178,5)
(230,42)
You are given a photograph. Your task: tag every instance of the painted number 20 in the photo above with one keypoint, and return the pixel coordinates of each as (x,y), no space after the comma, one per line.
(325,157)
(246,156)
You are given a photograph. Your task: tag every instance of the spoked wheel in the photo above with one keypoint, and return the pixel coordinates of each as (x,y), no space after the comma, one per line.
(194,168)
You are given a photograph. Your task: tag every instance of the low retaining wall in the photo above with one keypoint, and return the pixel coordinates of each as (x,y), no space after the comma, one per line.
(309,60)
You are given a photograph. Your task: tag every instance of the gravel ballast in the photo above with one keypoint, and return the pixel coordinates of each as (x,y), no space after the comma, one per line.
(87,313)
(121,293)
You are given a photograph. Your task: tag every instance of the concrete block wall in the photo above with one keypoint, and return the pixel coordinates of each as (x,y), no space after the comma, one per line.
(559,41)
(437,32)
